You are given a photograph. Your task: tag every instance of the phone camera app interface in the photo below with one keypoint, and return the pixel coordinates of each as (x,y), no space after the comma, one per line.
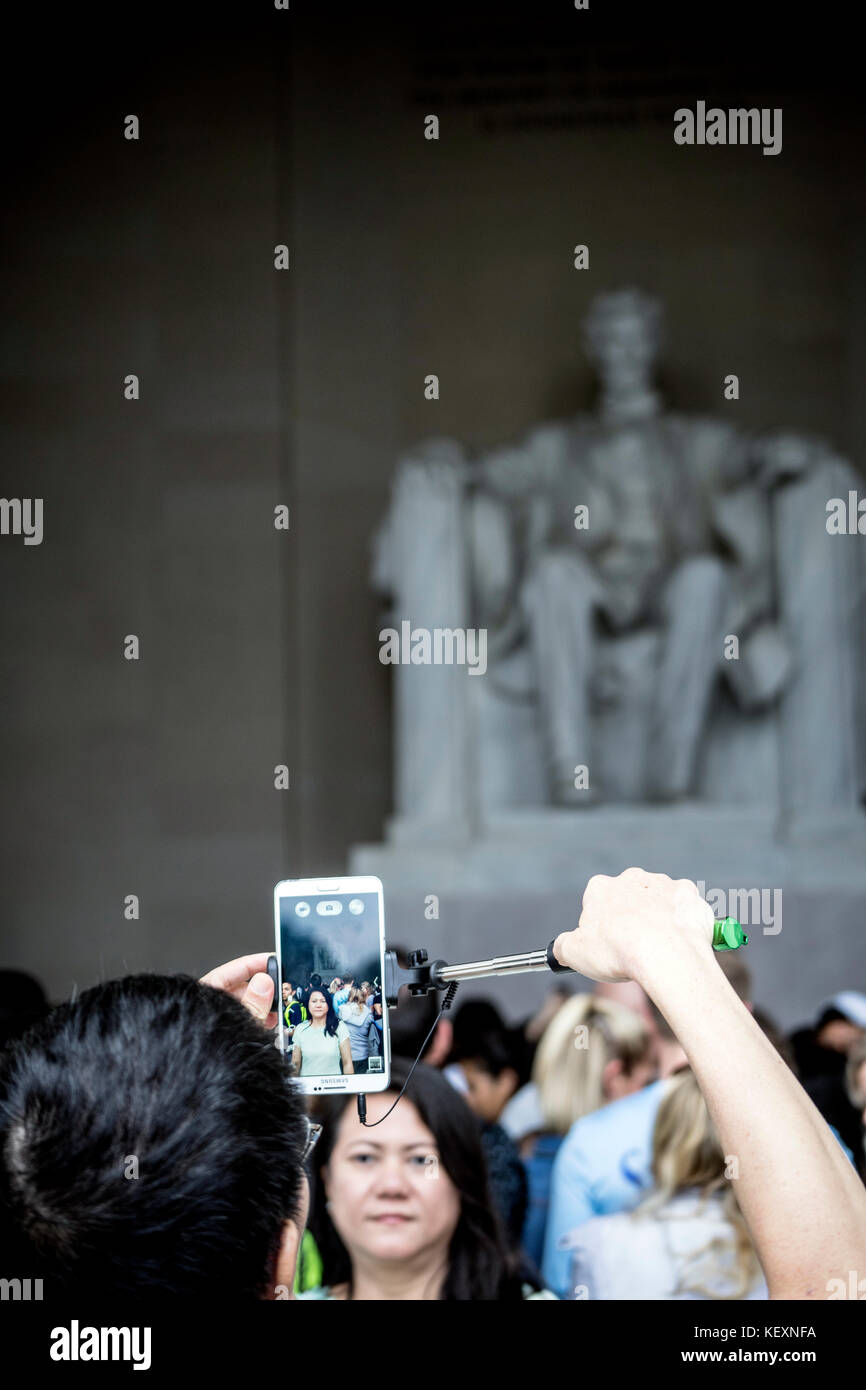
(331,1008)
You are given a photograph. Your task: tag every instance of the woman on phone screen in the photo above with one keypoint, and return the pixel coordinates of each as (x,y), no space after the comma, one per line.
(322,1045)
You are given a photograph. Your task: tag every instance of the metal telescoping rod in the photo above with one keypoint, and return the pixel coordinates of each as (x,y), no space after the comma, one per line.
(728,935)
(497,965)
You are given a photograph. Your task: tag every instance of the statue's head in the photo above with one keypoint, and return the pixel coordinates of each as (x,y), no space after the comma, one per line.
(622,335)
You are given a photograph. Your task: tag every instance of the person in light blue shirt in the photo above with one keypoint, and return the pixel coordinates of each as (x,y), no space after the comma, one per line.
(342,995)
(603,1166)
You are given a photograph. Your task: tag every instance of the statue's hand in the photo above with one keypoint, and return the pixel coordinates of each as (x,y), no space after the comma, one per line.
(511,472)
(782,457)
(763,667)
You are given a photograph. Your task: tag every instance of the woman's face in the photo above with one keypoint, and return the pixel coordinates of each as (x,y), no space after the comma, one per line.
(317,1005)
(390,1196)
(488,1095)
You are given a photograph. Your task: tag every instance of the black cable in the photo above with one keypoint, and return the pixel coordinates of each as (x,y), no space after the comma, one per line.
(362,1099)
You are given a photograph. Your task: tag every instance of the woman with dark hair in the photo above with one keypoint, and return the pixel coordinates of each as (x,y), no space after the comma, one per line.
(401,1209)
(322,1046)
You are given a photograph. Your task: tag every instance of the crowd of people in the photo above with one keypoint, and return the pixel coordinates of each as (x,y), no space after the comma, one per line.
(604,1148)
(332,1029)
(624,1190)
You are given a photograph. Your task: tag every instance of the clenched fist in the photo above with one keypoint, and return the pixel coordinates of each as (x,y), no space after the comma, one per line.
(628,919)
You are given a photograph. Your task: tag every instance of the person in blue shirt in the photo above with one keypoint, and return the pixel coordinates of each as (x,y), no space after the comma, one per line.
(341,996)
(602,1166)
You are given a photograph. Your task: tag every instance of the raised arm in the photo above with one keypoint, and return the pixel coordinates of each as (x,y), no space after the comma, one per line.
(804,1204)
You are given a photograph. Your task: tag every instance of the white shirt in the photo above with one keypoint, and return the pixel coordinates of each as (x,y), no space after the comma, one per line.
(320,1051)
(522,1114)
(632,1255)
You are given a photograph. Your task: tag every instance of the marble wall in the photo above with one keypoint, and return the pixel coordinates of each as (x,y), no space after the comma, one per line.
(407,257)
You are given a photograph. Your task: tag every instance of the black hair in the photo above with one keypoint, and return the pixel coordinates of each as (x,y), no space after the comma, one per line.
(409,1025)
(22,1003)
(474,1019)
(480,1265)
(180,1077)
(496,1051)
(331,1020)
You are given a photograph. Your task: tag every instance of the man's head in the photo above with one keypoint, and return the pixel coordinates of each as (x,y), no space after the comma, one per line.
(841,1022)
(287,991)
(622,334)
(495,1067)
(150,1142)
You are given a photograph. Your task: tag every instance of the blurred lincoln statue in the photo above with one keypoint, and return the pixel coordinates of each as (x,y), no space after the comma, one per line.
(627,560)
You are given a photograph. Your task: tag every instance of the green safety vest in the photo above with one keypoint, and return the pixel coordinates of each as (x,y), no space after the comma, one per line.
(309,1272)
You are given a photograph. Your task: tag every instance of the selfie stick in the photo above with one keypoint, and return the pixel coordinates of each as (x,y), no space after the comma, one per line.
(423,975)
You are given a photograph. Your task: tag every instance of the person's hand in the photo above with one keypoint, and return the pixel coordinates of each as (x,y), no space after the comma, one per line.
(247,979)
(627,920)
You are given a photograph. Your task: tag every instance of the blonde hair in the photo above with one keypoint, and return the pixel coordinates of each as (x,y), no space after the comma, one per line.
(356,998)
(687,1155)
(584,1035)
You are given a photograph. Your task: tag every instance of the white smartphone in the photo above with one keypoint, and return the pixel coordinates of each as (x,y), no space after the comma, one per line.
(333,1018)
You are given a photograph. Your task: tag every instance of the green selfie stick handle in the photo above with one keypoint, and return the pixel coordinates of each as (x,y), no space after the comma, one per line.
(728,935)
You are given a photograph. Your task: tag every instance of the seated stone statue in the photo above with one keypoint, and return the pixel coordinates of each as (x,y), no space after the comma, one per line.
(629,531)
(621,551)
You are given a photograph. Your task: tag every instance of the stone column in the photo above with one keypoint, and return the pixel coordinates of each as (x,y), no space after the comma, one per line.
(435,777)
(819,603)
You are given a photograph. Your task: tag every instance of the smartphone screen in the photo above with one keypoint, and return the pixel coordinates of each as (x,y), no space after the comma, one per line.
(330,945)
